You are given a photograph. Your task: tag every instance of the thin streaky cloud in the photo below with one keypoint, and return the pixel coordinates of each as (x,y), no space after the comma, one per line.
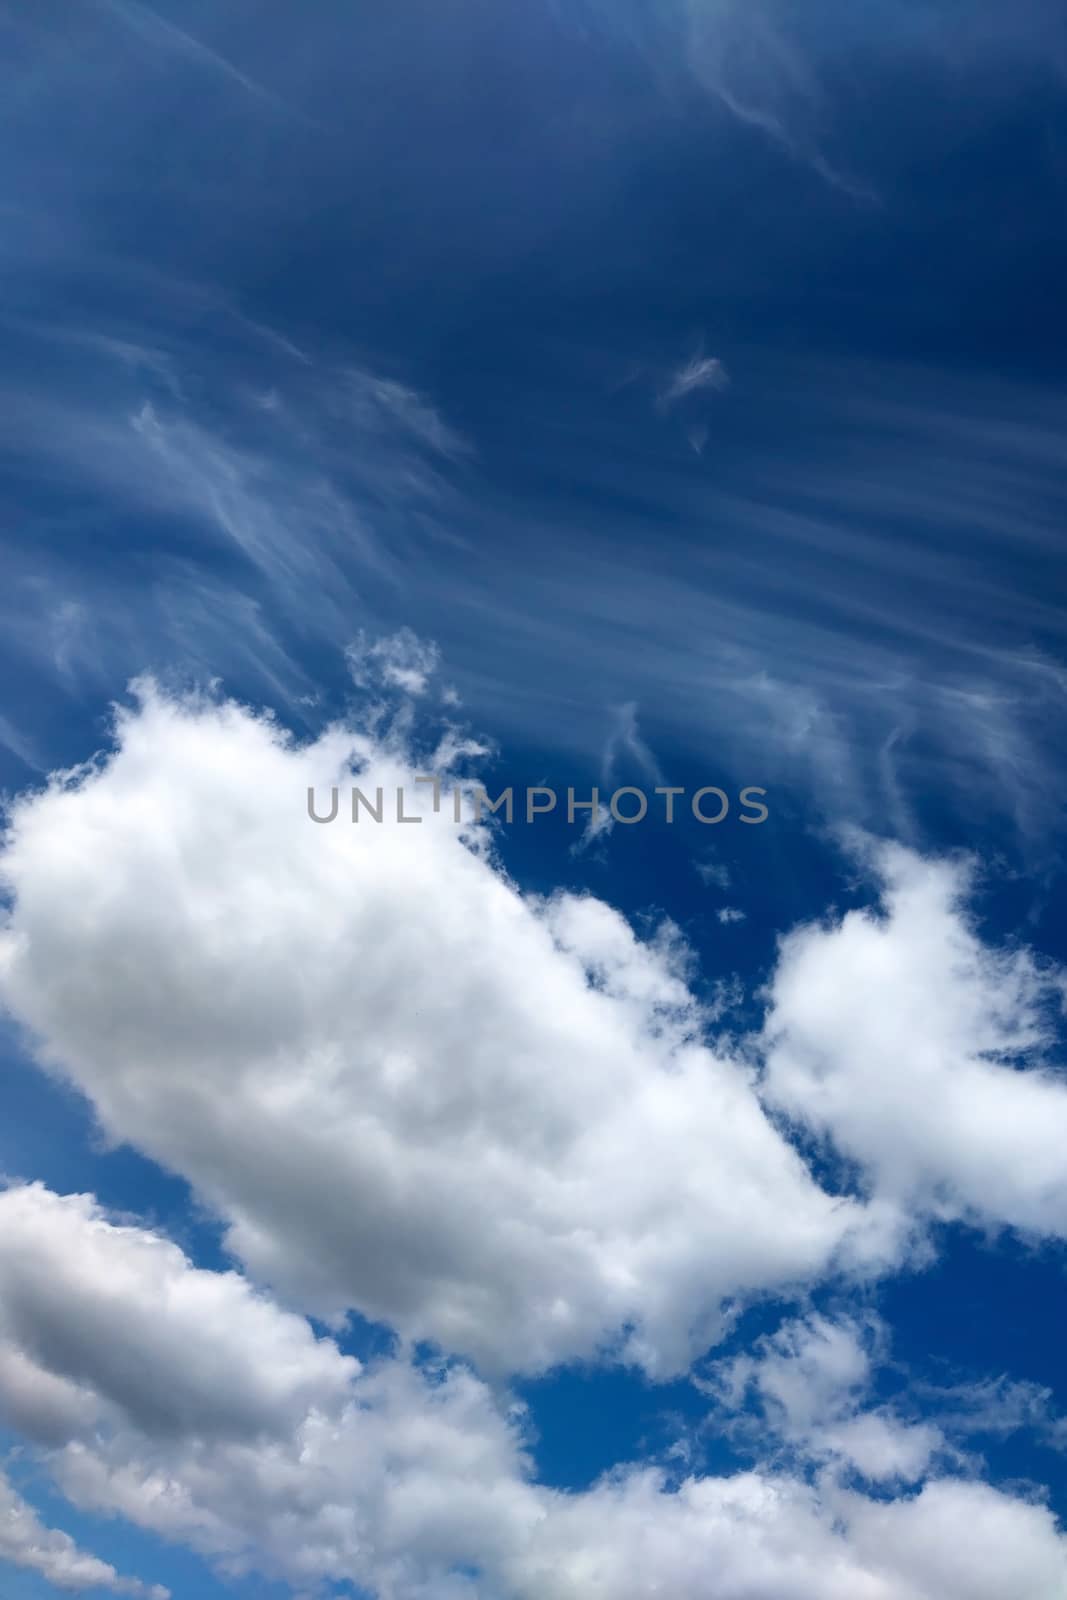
(765,81)
(156,31)
(12,738)
(626,739)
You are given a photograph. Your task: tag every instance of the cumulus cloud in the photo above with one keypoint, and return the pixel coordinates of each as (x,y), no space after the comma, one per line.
(754,1536)
(809,1386)
(489,1121)
(80,1318)
(27,1543)
(209,1414)
(416,1484)
(495,1122)
(922,1052)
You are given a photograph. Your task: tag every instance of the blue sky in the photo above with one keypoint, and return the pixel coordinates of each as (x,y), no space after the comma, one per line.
(567,394)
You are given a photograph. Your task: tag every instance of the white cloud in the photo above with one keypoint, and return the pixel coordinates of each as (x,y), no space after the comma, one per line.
(252,500)
(625,747)
(810,1382)
(162,35)
(12,738)
(303,478)
(80,1318)
(960,1539)
(210,1415)
(919,1050)
(485,1120)
(491,1121)
(625,744)
(759,74)
(27,1543)
(398,660)
(395,402)
(997,1406)
(699,372)
(713,872)
(761,1537)
(415,1485)
(728,914)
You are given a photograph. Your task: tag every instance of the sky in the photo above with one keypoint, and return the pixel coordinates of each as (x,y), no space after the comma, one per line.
(535,397)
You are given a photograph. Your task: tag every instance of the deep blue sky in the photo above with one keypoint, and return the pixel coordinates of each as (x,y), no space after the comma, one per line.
(838,574)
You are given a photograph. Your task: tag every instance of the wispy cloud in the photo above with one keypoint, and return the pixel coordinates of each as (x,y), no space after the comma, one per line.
(754,61)
(699,372)
(410,410)
(737,52)
(262,530)
(625,742)
(399,660)
(624,747)
(12,738)
(157,32)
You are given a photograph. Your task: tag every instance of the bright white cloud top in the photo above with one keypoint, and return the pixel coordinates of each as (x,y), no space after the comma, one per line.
(488,1121)
(922,1053)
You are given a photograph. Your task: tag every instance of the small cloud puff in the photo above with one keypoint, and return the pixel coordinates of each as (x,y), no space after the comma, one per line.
(398,660)
(699,372)
(713,872)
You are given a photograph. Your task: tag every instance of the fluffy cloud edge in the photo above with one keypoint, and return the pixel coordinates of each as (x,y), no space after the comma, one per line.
(416,1482)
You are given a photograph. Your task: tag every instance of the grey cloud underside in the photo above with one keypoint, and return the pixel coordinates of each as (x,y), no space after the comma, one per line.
(403,1481)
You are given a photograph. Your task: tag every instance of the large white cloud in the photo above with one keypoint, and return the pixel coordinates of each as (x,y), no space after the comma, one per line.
(760,1537)
(199,1409)
(415,1484)
(488,1121)
(921,1051)
(494,1122)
